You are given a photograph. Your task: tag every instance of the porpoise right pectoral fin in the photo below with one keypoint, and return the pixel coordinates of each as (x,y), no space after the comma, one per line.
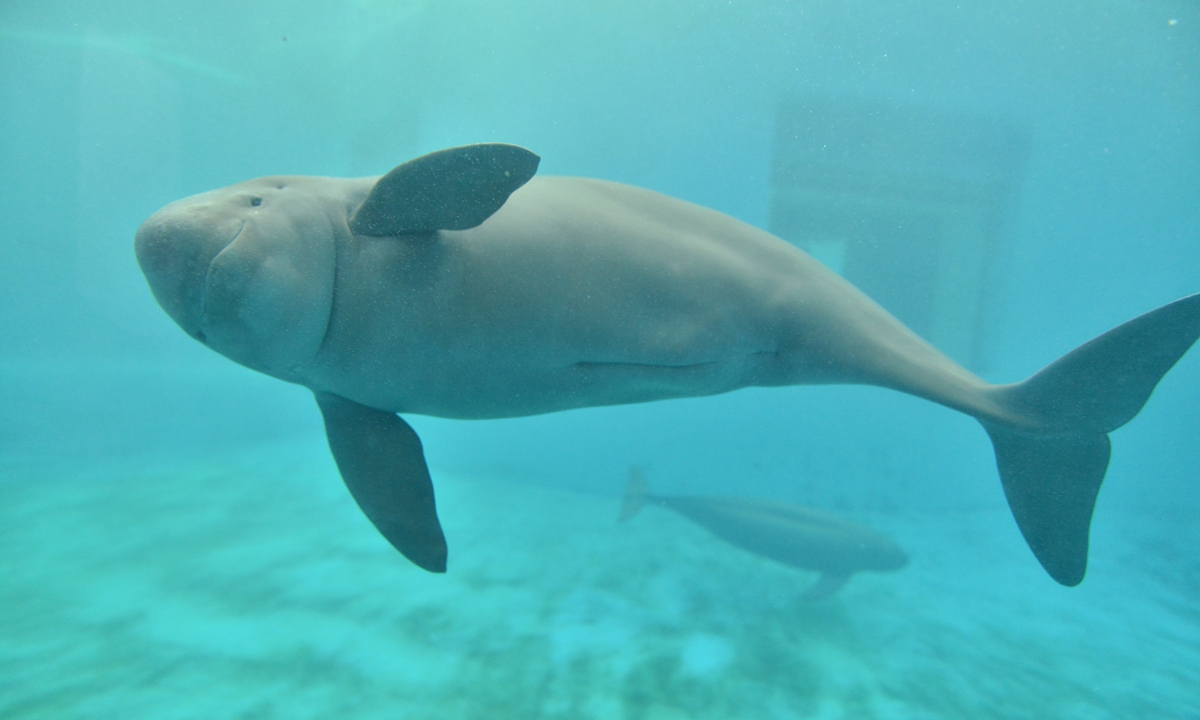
(453,189)
(635,495)
(383,465)
(826,586)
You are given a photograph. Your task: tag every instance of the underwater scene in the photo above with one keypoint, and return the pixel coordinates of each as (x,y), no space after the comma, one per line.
(602,360)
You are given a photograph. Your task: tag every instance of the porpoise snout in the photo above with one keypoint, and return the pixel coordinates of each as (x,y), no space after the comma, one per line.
(890,557)
(174,249)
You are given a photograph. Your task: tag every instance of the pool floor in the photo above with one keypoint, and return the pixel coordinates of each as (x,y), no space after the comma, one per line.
(250,586)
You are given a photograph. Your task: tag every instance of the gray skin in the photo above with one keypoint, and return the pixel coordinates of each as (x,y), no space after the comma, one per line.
(456,286)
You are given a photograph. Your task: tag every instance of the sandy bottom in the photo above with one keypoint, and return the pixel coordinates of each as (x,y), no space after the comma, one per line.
(251,587)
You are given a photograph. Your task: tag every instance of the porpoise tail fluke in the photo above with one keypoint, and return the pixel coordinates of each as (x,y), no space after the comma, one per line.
(1052,467)
(635,495)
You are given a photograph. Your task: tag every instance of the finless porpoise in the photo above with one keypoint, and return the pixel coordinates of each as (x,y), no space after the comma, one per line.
(787,533)
(458,285)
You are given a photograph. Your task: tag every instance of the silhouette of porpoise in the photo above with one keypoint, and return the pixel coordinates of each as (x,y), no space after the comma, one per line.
(458,285)
(791,534)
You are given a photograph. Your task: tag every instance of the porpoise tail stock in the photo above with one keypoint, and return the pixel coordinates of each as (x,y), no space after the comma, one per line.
(790,534)
(1052,461)
(461,285)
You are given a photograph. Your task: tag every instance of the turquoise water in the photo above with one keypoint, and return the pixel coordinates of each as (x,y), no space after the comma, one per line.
(176,541)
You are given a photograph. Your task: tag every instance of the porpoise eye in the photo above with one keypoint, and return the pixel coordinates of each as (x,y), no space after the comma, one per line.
(201,337)
(256,201)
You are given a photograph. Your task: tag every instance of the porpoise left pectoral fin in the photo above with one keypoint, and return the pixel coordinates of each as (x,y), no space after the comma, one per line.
(826,586)
(454,189)
(382,462)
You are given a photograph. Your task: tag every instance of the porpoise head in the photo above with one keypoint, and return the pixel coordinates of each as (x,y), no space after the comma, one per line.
(885,556)
(249,269)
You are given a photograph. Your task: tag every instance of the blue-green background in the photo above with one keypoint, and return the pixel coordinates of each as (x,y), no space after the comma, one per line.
(109,110)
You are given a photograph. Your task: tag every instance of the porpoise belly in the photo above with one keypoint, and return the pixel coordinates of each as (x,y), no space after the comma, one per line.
(495,393)
(811,543)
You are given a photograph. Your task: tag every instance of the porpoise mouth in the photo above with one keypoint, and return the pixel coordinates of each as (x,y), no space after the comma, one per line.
(208,274)
(236,235)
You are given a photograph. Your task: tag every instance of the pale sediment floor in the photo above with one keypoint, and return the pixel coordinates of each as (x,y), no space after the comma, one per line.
(251,587)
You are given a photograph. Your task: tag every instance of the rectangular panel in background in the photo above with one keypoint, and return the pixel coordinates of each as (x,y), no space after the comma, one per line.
(906,203)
